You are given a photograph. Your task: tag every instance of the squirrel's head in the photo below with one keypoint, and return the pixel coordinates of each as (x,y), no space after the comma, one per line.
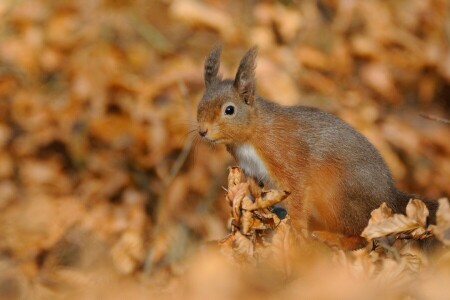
(227,108)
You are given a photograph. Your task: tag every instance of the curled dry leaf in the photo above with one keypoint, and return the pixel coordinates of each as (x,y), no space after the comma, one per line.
(248,221)
(243,248)
(282,246)
(418,211)
(248,215)
(252,219)
(382,223)
(258,220)
(413,255)
(442,228)
(235,196)
(393,273)
(394,267)
(380,214)
(234,176)
(267,199)
(358,263)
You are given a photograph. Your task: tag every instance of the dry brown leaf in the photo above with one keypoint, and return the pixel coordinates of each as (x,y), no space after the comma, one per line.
(380,214)
(319,82)
(413,255)
(313,58)
(38,223)
(197,13)
(247,221)
(246,202)
(243,248)
(226,244)
(267,199)
(364,46)
(289,21)
(9,193)
(381,224)
(358,264)
(248,215)
(254,220)
(128,253)
(283,246)
(262,220)
(6,164)
(275,82)
(418,211)
(393,273)
(444,67)
(271,219)
(61,30)
(235,196)
(5,134)
(379,78)
(234,176)
(442,228)
(257,219)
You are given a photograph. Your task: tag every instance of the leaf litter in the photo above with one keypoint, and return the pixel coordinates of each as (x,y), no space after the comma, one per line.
(392,258)
(100,196)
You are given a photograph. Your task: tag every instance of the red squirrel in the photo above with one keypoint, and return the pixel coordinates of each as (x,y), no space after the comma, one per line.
(335,176)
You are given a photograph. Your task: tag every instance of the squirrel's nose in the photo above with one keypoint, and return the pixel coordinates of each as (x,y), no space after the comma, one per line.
(202,132)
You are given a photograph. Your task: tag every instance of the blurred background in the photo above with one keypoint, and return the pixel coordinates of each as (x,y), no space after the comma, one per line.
(102,182)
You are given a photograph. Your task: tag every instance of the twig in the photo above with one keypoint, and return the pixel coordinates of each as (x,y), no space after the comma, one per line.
(434,118)
(176,167)
(179,162)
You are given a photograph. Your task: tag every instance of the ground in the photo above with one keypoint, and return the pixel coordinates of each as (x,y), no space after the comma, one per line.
(106,191)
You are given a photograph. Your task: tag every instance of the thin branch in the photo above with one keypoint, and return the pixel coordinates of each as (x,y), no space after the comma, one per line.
(434,118)
(176,167)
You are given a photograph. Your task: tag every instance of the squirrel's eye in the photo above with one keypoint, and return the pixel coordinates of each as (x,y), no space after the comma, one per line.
(229,110)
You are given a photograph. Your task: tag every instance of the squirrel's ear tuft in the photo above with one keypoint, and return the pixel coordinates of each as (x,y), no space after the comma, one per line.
(212,64)
(245,76)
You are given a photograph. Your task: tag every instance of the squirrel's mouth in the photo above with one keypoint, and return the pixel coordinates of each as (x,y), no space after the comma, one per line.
(213,141)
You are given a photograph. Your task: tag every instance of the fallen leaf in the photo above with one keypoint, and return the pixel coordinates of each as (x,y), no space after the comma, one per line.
(442,228)
(267,199)
(197,13)
(418,211)
(128,253)
(379,78)
(243,248)
(234,176)
(382,223)
(283,246)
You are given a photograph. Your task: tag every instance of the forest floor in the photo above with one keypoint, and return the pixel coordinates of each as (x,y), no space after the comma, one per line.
(106,193)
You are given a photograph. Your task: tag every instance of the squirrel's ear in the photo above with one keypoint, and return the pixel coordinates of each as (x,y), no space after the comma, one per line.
(212,64)
(245,76)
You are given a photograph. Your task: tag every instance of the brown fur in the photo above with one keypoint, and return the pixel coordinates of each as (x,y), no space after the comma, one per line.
(335,176)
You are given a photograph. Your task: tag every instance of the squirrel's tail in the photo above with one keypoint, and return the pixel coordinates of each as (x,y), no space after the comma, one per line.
(432,205)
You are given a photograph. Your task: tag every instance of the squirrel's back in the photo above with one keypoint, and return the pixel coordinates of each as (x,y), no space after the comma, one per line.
(334,160)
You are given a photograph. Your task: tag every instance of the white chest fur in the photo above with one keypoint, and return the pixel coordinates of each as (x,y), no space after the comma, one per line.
(251,163)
